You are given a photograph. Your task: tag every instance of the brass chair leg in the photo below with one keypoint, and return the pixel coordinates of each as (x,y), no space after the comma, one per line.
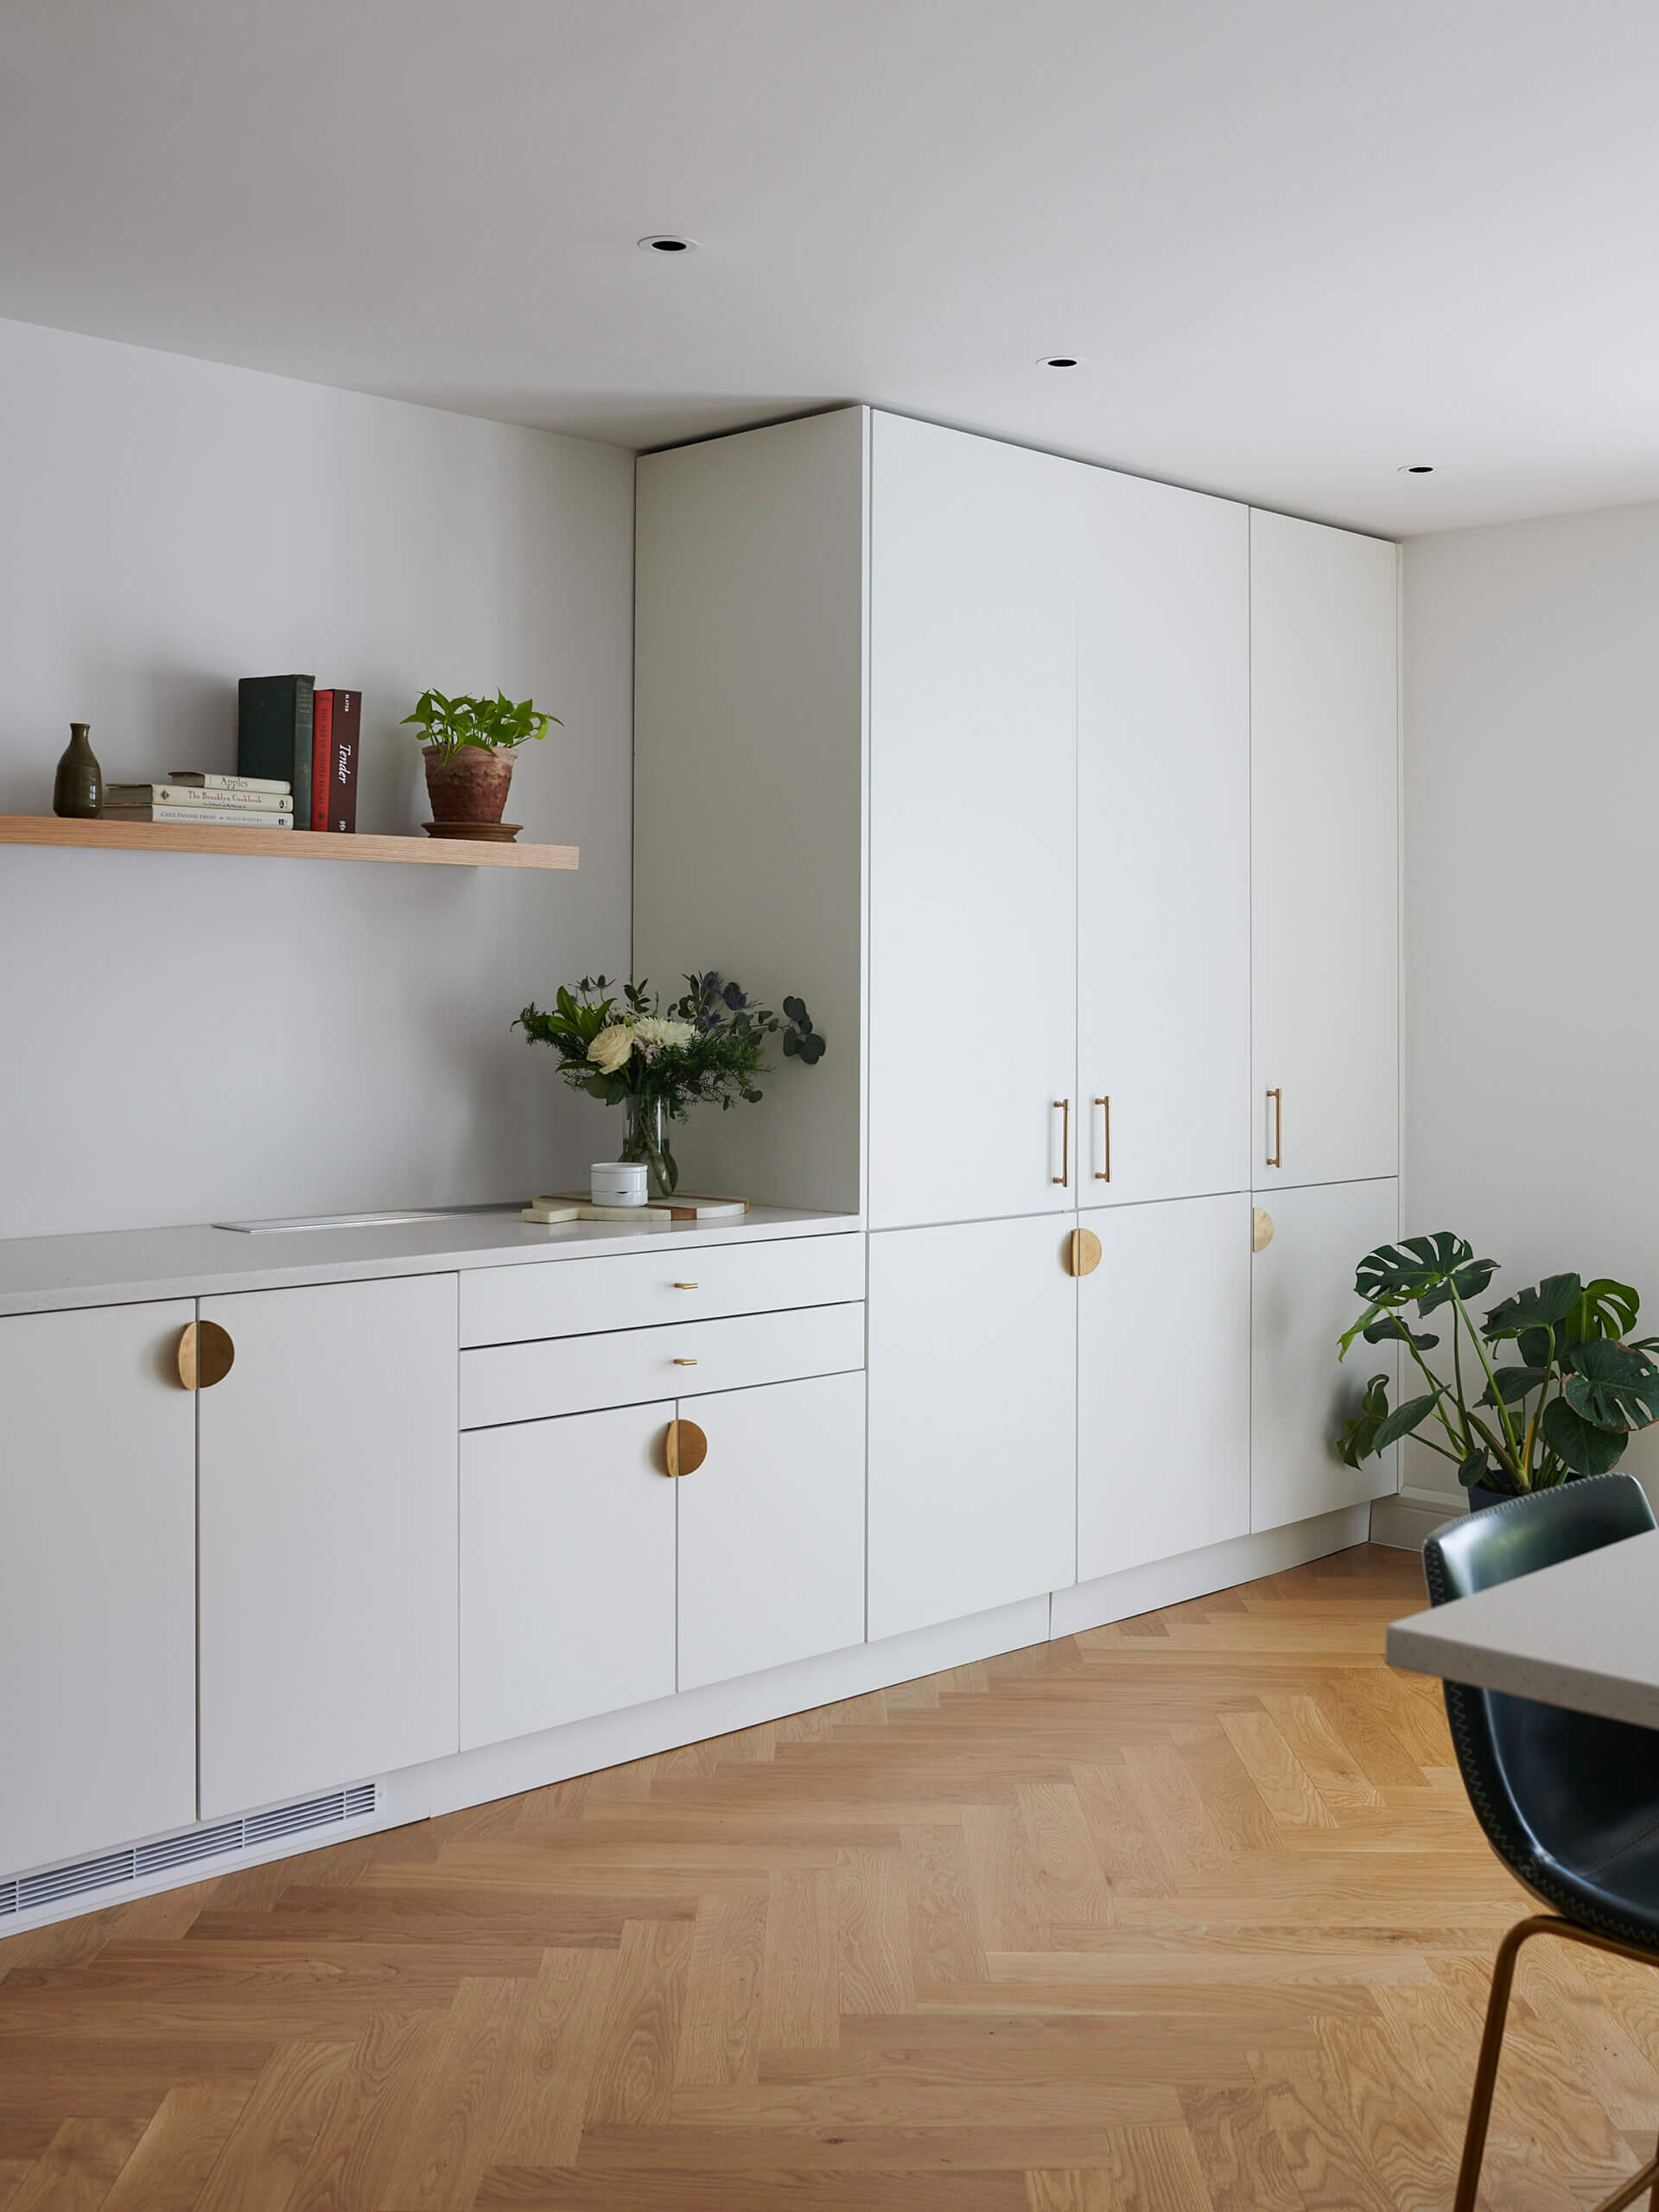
(1491,2047)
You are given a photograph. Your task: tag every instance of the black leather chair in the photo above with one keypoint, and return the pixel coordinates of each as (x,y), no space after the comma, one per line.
(1569,1802)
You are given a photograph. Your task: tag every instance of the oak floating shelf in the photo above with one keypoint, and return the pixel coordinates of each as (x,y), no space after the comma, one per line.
(278,845)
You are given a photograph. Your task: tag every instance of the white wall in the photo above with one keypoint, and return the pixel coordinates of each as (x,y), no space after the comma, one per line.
(183,1038)
(1532,876)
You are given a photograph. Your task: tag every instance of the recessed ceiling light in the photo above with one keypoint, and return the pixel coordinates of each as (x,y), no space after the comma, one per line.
(667,242)
(1059,361)
(1418,468)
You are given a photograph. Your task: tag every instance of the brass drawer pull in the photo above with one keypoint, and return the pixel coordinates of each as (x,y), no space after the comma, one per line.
(205,1355)
(1105,1104)
(1276,1157)
(1063,1108)
(685,1286)
(1081,1252)
(685,1363)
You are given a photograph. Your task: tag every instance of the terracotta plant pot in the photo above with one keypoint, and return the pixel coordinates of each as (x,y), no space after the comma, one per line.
(471,785)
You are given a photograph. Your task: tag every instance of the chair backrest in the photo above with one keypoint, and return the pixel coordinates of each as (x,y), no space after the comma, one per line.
(1543,1779)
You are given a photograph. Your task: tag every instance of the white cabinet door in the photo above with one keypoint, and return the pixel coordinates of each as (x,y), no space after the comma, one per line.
(1164,1384)
(1163,843)
(973,867)
(772,1528)
(973,1420)
(327,1489)
(1324,845)
(567,1571)
(97,1582)
(1302,1299)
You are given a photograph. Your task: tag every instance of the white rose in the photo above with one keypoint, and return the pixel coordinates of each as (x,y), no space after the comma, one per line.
(610,1049)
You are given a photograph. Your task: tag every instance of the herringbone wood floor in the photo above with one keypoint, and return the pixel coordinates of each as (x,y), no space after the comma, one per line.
(1188,1914)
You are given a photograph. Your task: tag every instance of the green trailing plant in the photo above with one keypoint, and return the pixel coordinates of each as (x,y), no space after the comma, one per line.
(1548,1386)
(495,725)
(709,1047)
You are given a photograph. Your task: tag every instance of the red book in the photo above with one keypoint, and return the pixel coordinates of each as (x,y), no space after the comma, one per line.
(337,721)
(322,734)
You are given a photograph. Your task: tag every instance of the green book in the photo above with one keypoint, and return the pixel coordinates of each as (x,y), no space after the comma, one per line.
(273,734)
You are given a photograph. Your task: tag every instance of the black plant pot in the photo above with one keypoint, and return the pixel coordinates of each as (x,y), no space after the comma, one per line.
(1479,1495)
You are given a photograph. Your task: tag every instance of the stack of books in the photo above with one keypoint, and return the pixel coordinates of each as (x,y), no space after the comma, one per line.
(192,795)
(289,736)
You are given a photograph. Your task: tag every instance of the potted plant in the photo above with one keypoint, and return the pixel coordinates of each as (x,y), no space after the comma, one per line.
(709,1046)
(1564,1403)
(469,746)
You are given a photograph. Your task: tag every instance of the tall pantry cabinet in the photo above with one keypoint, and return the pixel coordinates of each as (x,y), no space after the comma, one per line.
(1066,800)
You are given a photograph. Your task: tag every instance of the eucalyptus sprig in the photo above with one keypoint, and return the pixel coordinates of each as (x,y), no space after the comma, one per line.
(1566,1405)
(496,725)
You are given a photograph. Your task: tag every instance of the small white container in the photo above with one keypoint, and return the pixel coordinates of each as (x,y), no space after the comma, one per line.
(618,1182)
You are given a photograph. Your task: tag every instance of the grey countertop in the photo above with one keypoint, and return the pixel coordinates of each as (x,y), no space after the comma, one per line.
(41,1275)
(1584,1633)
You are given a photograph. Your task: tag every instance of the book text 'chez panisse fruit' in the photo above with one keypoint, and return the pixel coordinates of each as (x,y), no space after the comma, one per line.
(290,732)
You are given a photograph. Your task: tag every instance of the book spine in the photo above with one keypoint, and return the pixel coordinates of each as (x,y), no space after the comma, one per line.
(273,741)
(304,696)
(323,739)
(196,781)
(342,787)
(234,817)
(238,802)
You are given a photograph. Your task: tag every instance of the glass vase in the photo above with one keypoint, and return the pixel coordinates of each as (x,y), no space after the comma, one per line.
(645,1137)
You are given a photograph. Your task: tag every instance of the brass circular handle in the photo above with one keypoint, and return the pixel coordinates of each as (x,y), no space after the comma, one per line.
(1261,1229)
(685,1447)
(205,1355)
(1081,1252)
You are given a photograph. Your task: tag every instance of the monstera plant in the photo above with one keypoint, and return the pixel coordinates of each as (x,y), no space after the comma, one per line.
(1548,1386)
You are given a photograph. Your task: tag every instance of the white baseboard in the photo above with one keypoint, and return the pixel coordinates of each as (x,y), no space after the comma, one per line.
(611,1738)
(1199,1574)
(476,1778)
(1404,1520)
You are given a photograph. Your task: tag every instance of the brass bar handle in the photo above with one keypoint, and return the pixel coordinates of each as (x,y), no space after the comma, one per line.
(1105,1175)
(205,1355)
(1276,1157)
(1063,1106)
(685,1286)
(685,1363)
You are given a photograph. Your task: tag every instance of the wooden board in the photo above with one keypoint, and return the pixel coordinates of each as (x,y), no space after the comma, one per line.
(276,844)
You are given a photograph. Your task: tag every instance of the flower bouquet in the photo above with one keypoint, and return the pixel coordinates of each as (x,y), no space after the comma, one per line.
(711,1044)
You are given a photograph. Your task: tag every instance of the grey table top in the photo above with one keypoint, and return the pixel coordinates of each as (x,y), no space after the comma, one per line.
(41,1274)
(1584,1634)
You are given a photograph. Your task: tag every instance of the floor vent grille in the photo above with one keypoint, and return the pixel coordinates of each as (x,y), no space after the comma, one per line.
(214,1840)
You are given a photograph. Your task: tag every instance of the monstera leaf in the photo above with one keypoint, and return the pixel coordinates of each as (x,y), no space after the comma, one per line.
(1582,1446)
(1393,1330)
(1610,1385)
(1357,1439)
(1513,1385)
(1542,1308)
(1606,1308)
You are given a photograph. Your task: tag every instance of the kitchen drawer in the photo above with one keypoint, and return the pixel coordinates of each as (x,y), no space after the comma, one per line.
(574,1375)
(570,1297)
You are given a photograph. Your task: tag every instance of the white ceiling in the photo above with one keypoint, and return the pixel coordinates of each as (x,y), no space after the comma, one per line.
(1297,243)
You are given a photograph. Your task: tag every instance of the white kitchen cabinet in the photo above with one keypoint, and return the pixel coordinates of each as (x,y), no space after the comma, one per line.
(1324,853)
(973,1420)
(1302,1299)
(1164,1383)
(327,1504)
(1163,842)
(97,1570)
(567,1571)
(772,1528)
(972,825)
